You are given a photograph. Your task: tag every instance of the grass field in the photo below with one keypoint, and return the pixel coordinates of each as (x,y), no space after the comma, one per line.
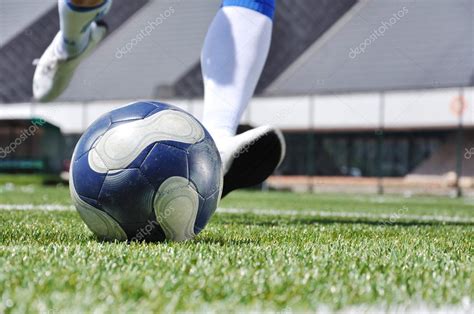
(262,251)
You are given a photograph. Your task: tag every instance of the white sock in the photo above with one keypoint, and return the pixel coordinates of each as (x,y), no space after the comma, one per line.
(232,60)
(75,25)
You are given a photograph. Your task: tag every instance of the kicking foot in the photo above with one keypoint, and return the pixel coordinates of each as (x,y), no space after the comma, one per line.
(251,157)
(54,70)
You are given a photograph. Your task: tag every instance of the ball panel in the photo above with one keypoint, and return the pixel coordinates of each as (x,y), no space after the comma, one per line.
(176,144)
(122,144)
(137,162)
(88,139)
(176,204)
(162,162)
(162,106)
(92,202)
(89,182)
(135,111)
(150,231)
(101,224)
(206,210)
(205,167)
(127,196)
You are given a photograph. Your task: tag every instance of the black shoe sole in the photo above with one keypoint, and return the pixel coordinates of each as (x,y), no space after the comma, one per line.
(256,163)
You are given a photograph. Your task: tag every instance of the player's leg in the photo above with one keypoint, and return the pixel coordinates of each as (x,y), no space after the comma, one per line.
(75,18)
(79,34)
(233,56)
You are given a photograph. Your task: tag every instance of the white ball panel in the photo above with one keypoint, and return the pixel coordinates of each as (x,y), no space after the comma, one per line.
(119,146)
(176,205)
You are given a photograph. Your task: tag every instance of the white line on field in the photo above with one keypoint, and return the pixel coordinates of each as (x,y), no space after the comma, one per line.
(275,212)
(46,207)
(318,213)
(466,306)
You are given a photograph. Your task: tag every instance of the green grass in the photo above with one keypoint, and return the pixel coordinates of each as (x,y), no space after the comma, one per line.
(50,262)
(27,179)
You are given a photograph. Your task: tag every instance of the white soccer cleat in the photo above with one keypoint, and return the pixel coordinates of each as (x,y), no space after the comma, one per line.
(251,157)
(54,70)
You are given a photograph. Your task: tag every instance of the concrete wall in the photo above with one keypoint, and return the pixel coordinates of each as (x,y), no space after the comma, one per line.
(401,110)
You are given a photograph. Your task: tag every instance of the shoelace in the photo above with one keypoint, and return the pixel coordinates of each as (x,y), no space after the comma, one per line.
(50,66)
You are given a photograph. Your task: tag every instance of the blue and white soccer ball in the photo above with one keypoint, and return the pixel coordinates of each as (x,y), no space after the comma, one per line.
(147,171)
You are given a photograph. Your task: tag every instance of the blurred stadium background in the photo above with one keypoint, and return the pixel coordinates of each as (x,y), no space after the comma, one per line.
(372,96)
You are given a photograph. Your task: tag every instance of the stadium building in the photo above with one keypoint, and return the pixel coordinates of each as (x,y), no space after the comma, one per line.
(361,89)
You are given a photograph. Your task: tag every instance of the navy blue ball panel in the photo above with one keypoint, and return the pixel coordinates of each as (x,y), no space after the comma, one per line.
(180,145)
(90,201)
(127,196)
(206,210)
(204,167)
(141,157)
(87,140)
(88,183)
(160,107)
(164,161)
(135,111)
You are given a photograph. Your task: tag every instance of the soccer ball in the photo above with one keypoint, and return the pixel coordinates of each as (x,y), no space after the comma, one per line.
(147,171)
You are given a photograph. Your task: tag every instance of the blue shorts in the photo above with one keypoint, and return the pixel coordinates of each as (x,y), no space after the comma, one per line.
(266,7)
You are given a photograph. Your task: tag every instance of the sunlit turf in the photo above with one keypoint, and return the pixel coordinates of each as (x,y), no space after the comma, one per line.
(50,262)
